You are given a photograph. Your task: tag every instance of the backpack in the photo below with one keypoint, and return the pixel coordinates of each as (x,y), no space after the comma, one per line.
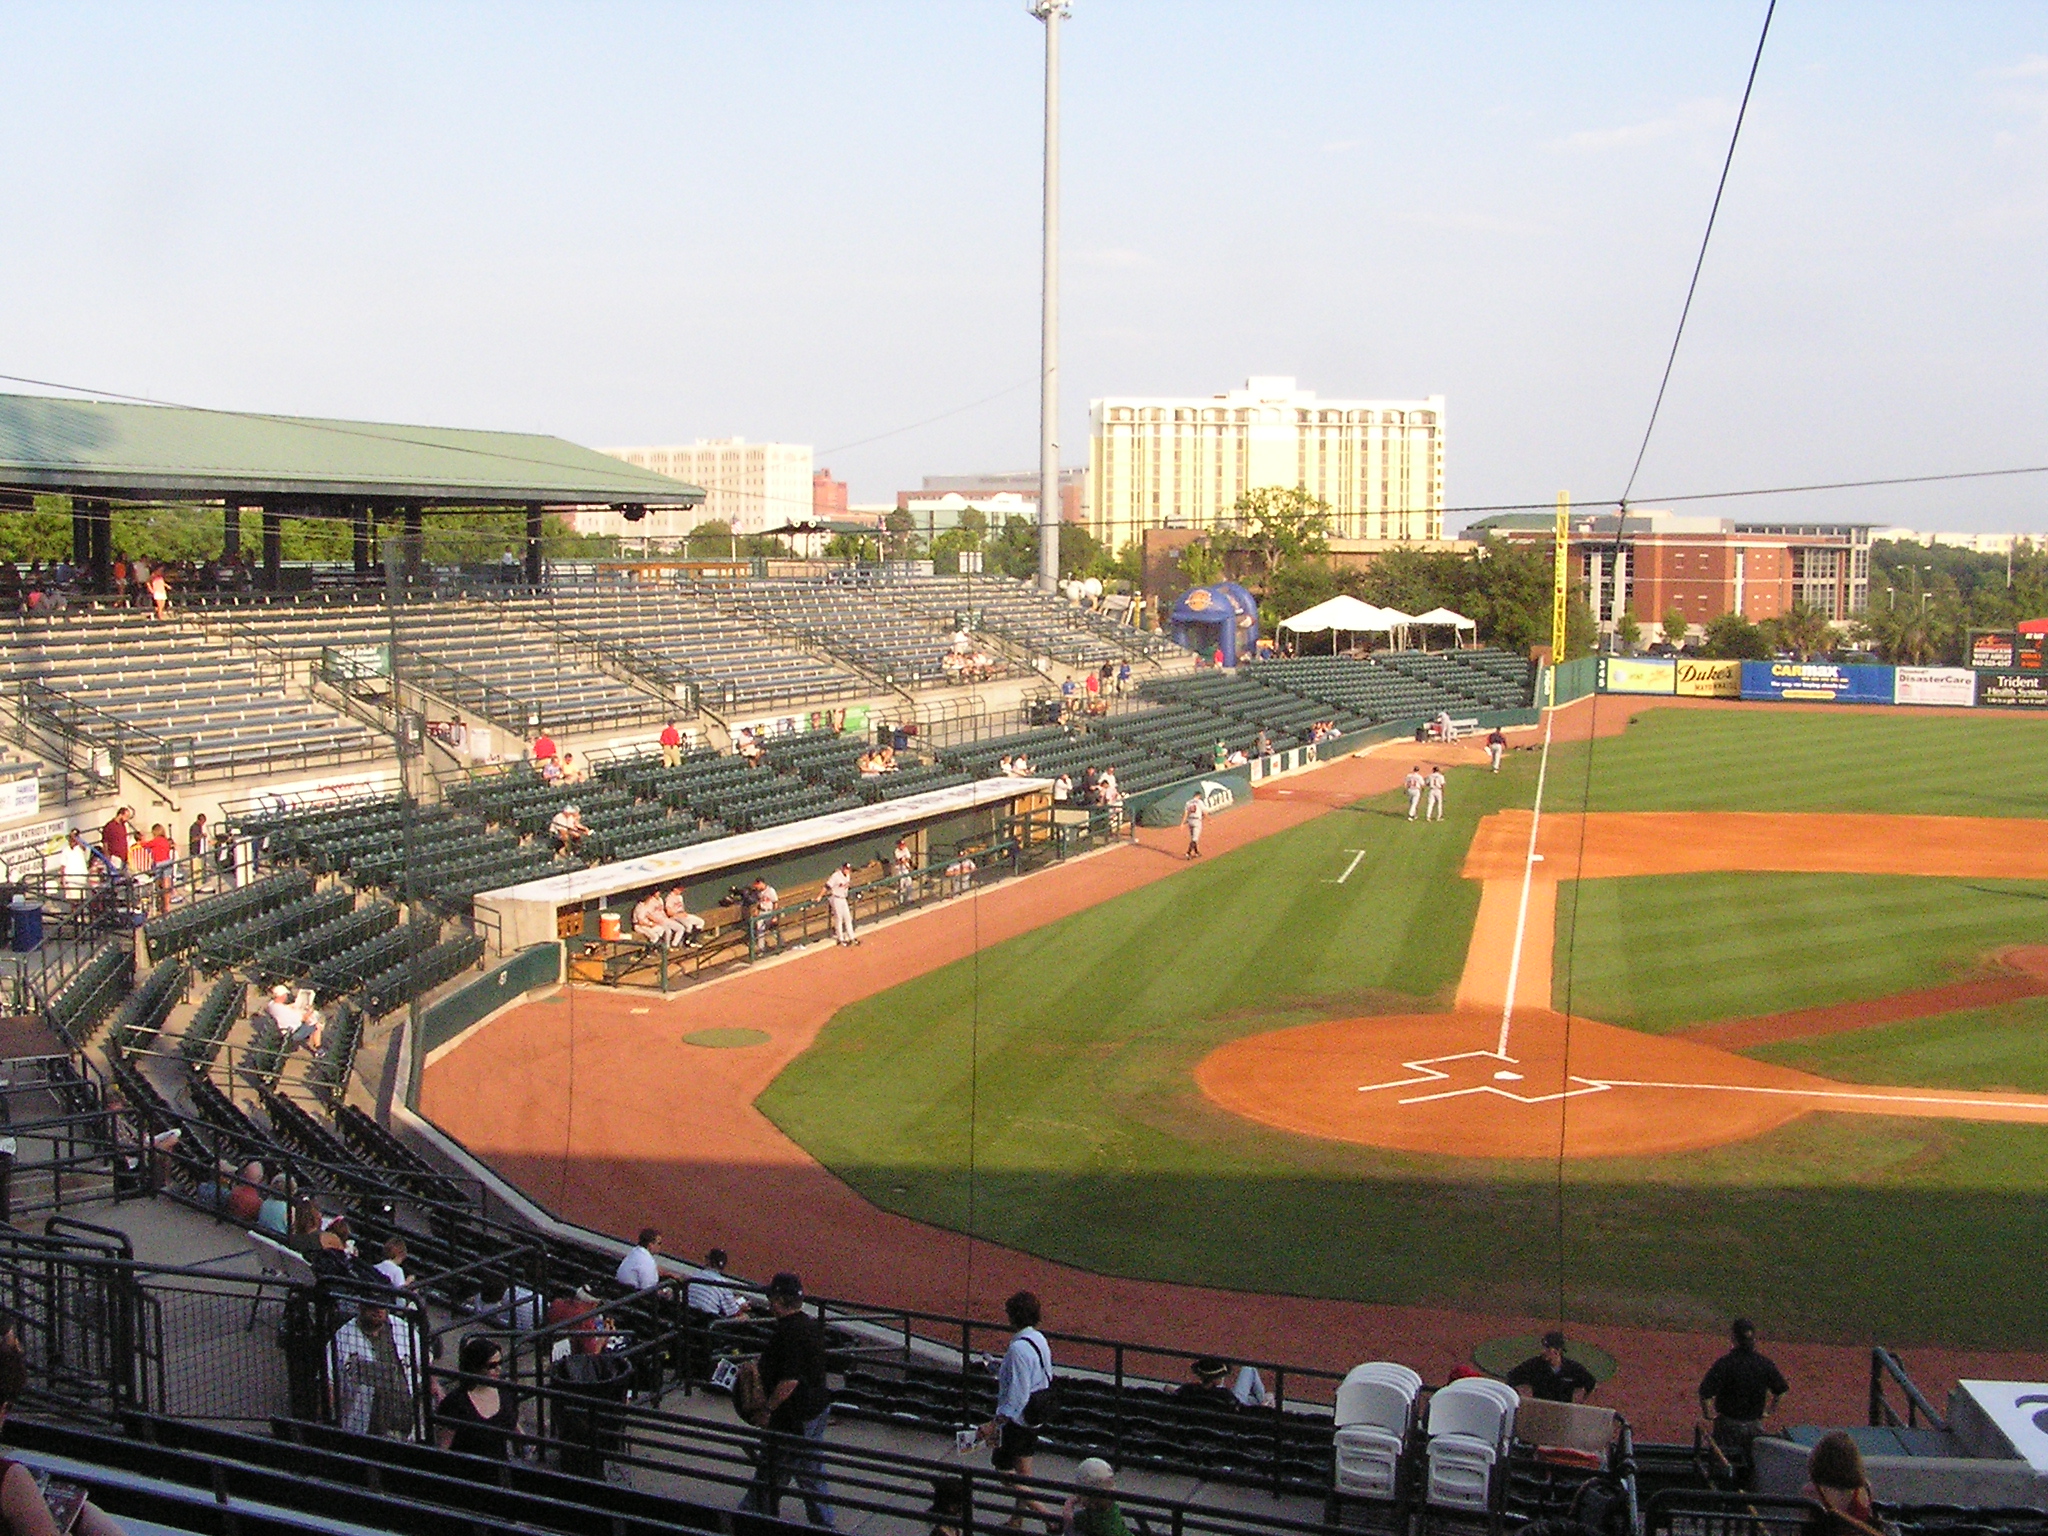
(1042,1408)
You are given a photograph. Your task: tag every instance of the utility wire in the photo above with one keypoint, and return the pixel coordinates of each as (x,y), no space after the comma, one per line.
(1692,287)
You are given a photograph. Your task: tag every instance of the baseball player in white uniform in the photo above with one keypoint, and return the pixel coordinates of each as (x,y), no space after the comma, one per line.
(1191,816)
(903,864)
(1496,743)
(838,888)
(1413,784)
(1436,794)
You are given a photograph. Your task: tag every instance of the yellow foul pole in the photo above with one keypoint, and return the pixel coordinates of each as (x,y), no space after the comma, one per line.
(1560,584)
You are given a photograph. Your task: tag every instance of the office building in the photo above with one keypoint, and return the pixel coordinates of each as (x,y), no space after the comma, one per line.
(1182,463)
(748,486)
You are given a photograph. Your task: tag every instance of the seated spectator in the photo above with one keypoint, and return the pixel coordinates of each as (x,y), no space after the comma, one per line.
(1093,1511)
(274,1215)
(1836,1480)
(295,1025)
(1062,789)
(550,770)
(307,1226)
(579,1321)
(573,772)
(710,1294)
(1209,1388)
(1004,766)
(1262,745)
(1237,759)
(22,1508)
(511,1306)
(392,1265)
(568,828)
(637,1270)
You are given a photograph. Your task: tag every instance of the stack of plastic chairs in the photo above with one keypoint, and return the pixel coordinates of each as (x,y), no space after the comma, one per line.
(1375,1407)
(1470,1424)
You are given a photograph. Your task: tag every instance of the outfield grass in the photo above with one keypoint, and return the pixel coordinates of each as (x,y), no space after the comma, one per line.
(1660,952)
(1990,1048)
(1057,1066)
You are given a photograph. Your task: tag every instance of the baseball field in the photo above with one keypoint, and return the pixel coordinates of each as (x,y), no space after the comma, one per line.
(1779,984)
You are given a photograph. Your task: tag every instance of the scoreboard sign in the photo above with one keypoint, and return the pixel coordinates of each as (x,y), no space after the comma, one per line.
(2006,650)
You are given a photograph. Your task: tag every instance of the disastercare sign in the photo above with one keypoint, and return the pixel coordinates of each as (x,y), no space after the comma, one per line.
(1952,686)
(1816,682)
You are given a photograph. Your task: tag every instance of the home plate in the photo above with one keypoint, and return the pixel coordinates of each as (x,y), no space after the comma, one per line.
(1507,1077)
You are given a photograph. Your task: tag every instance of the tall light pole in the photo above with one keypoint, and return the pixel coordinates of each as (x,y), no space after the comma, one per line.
(1052,13)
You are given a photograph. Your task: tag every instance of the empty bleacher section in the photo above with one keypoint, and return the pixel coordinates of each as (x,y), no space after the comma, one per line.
(1029,620)
(854,619)
(1399,685)
(173,702)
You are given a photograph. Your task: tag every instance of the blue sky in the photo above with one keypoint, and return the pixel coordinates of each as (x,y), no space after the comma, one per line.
(820,223)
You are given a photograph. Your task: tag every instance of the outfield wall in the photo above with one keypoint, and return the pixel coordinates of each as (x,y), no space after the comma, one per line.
(1818,682)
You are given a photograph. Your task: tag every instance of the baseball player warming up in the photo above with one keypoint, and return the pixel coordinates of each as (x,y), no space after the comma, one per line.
(1413,784)
(1496,743)
(1435,781)
(1191,816)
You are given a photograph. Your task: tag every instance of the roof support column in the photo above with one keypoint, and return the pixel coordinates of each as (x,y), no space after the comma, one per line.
(92,542)
(273,548)
(414,541)
(533,566)
(359,536)
(230,530)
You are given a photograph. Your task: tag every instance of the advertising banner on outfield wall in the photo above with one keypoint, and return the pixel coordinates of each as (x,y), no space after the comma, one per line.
(1219,792)
(1620,674)
(1954,686)
(1816,682)
(1710,679)
(2012,690)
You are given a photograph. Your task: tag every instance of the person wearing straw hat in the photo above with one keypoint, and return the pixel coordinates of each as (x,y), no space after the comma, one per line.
(1208,1388)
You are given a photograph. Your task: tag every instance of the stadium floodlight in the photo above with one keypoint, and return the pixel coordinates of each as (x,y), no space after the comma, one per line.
(1052,13)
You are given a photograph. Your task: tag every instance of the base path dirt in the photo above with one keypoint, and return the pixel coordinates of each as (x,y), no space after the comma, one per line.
(1524,1082)
(591,1101)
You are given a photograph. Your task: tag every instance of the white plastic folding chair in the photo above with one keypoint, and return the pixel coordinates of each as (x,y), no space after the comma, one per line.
(1375,1406)
(1468,1426)
(277,1264)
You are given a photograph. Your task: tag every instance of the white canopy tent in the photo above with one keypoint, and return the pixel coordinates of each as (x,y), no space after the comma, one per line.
(1342,612)
(1444,618)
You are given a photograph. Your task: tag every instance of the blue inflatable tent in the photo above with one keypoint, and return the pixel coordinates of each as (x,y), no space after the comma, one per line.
(1223,616)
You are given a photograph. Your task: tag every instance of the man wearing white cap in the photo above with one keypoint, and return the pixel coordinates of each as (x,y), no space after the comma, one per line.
(297,1026)
(567,825)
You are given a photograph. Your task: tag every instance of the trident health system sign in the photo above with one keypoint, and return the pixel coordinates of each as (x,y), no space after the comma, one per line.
(1816,682)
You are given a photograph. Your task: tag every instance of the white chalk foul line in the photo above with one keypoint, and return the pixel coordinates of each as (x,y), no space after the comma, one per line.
(1507,1009)
(1356,855)
(2038,1106)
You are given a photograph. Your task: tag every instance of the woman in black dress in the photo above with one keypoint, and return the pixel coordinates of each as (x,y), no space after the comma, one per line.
(478,1417)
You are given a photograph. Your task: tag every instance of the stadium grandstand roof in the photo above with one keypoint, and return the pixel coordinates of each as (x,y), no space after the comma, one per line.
(98,448)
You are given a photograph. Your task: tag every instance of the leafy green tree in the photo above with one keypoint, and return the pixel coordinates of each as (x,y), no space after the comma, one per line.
(41,534)
(1628,629)
(853,546)
(1200,565)
(1731,637)
(710,540)
(900,537)
(1282,525)
(1674,627)
(1805,632)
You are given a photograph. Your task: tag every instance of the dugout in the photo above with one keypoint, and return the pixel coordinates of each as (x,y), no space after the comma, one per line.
(938,822)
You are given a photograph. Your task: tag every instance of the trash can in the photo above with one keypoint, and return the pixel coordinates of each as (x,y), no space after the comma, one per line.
(26,919)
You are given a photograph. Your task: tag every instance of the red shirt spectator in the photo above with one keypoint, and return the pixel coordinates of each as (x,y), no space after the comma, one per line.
(543,747)
(582,1318)
(670,736)
(161,849)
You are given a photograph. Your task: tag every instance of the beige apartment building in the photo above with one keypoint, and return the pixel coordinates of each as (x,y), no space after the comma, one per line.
(750,486)
(1166,463)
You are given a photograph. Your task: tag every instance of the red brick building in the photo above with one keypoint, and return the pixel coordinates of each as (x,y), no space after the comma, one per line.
(828,498)
(1705,567)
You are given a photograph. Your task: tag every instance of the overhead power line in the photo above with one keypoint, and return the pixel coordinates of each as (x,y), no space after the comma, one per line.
(1693,287)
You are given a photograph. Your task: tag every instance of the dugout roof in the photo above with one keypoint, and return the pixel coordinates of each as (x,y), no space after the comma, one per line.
(95,448)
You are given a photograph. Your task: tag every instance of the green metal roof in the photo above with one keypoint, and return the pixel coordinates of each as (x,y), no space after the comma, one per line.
(97,448)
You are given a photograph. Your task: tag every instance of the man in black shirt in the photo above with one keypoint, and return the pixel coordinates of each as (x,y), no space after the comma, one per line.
(1550,1376)
(1207,1390)
(1740,1390)
(799,1405)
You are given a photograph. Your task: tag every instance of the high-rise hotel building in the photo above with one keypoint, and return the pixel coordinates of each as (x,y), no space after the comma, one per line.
(1158,463)
(751,487)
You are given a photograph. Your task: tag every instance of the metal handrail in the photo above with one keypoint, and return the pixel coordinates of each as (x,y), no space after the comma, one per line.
(1883,1364)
